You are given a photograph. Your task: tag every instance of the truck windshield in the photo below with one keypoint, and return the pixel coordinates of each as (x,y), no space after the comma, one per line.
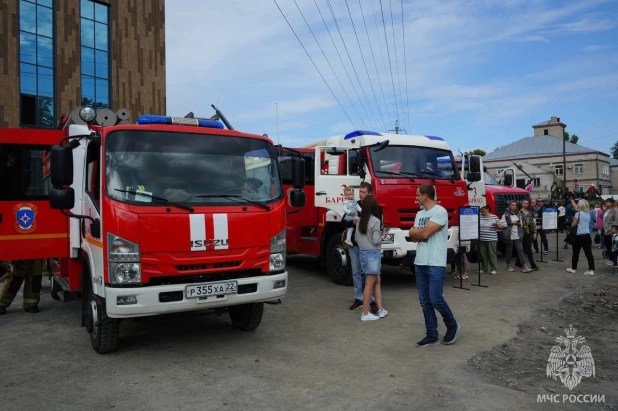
(190,168)
(424,162)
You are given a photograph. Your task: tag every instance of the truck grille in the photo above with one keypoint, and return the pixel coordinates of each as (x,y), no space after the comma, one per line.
(204,278)
(407,216)
(502,201)
(200,267)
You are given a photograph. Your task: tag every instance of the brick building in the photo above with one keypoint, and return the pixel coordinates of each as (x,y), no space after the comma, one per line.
(58,54)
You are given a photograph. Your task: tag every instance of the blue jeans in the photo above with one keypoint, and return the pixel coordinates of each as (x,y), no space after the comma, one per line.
(357,275)
(430,281)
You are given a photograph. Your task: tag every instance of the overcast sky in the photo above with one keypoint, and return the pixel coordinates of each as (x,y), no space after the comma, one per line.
(480,73)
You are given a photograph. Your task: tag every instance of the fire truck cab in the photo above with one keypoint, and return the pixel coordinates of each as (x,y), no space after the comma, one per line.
(164,216)
(395,165)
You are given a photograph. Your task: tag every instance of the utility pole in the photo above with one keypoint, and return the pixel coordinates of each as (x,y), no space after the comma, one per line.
(397,129)
(564,169)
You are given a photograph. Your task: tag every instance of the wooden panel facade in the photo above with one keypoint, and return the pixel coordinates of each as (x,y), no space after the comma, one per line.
(136,47)
(9,63)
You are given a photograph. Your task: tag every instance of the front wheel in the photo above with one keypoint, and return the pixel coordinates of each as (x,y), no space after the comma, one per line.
(247,317)
(103,330)
(338,265)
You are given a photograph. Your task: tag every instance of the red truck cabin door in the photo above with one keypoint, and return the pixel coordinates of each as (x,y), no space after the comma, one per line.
(29,228)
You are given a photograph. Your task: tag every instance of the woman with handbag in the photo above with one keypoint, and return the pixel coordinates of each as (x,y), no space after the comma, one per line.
(581,227)
(513,236)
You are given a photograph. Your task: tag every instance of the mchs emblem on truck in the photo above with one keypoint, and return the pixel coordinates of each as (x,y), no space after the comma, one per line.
(209,243)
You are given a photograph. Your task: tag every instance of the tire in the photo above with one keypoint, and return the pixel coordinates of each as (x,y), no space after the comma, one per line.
(247,317)
(103,331)
(55,289)
(337,260)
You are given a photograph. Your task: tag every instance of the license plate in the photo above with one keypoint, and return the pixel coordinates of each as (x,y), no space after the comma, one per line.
(205,290)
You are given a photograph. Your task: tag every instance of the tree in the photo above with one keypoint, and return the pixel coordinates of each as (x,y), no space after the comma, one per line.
(570,138)
(478,152)
(615,150)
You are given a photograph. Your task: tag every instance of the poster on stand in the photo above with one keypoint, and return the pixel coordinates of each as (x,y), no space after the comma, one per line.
(550,218)
(468,223)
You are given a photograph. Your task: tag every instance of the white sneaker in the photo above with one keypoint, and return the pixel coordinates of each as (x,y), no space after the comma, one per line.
(382,313)
(570,270)
(526,269)
(493,272)
(480,271)
(369,317)
(589,272)
(609,263)
(545,252)
(509,268)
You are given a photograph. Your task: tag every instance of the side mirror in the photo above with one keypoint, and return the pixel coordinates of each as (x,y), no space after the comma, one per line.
(61,166)
(298,172)
(95,228)
(360,163)
(297,198)
(475,165)
(473,177)
(508,178)
(61,198)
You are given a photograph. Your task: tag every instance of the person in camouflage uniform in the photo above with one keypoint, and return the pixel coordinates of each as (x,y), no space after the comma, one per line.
(14,274)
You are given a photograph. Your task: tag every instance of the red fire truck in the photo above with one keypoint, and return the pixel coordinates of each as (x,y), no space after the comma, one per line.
(395,165)
(488,191)
(167,215)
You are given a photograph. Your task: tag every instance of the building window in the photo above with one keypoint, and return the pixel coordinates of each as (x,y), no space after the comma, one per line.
(579,169)
(95,54)
(536,182)
(558,170)
(605,169)
(546,132)
(36,63)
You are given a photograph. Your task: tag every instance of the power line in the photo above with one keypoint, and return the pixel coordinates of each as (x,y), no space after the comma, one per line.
(332,12)
(389,59)
(341,59)
(327,61)
(405,62)
(375,21)
(365,64)
(373,56)
(396,56)
(316,67)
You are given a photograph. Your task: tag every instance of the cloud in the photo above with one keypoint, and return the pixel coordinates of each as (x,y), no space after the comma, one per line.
(463,59)
(596,47)
(534,38)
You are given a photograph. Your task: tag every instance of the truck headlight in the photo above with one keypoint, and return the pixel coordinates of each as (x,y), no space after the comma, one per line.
(389,239)
(124,260)
(277,252)
(125,273)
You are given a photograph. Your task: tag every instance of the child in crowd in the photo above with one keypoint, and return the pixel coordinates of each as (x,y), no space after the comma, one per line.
(351,211)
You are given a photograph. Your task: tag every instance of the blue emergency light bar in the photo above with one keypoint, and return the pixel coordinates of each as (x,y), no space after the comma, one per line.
(147,119)
(359,133)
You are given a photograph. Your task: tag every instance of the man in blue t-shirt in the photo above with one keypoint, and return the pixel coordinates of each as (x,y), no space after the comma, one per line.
(430,232)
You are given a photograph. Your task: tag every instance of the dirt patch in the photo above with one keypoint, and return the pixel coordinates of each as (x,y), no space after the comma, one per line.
(520,364)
